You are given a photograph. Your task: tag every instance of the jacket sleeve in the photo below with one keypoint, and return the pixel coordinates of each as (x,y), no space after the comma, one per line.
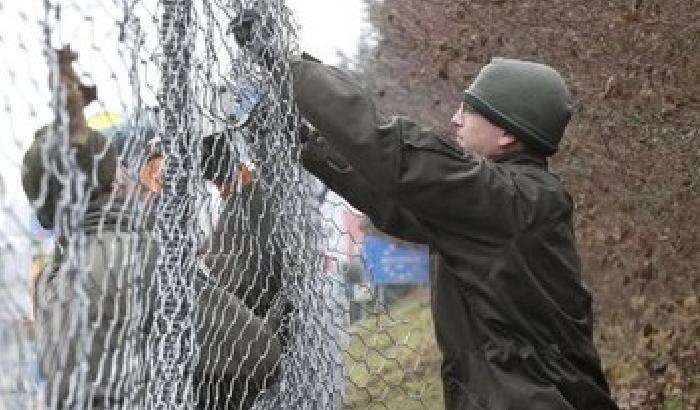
(441,185)
(39,187)
(338,175)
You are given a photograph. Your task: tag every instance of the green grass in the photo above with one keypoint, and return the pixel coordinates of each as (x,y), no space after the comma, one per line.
(392,361)
(674,404)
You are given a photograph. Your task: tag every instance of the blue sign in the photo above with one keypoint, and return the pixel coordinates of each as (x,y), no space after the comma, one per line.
(387,263)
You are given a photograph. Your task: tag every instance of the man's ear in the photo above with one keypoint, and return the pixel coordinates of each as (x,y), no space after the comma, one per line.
(149,175)
(507,140)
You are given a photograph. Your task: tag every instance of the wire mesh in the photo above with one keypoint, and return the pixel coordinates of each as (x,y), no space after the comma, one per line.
(162,247)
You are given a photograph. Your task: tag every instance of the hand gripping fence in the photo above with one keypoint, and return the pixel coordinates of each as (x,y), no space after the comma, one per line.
(161,246)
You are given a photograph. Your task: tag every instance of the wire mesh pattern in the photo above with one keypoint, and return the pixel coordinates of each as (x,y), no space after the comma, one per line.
(162,246)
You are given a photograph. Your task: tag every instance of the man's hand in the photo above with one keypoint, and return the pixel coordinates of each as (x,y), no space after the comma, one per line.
(307,131)
(243,27)
(66,58)
(253,34)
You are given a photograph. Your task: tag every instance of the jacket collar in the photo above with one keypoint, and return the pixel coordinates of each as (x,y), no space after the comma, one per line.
(522,158)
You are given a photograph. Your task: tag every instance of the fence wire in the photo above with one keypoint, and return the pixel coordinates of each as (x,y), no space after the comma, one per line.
(161,245)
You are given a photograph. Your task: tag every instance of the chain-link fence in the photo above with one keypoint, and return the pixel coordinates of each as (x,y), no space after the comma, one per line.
(160,244)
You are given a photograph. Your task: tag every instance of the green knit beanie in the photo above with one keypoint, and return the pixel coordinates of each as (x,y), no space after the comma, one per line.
(529,100)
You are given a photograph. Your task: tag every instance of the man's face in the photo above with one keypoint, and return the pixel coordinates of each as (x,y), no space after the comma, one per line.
(476,134)
(152,177)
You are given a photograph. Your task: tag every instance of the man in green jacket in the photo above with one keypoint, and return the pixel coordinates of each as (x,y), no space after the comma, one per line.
(512,315)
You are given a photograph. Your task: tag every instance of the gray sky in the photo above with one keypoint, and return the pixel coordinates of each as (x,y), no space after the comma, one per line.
(329,26)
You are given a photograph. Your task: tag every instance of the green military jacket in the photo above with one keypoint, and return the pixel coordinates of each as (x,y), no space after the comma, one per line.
(512,316)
